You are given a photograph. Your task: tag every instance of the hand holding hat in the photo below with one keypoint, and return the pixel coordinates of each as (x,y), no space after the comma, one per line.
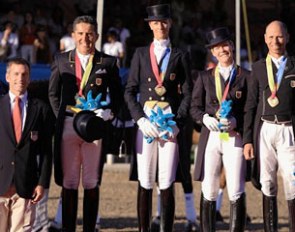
(88,126)
(104,114)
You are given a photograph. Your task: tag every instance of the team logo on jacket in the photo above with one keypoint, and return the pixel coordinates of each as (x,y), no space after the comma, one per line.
(238,94)
(292,84)
(172,76)
(98,81)
(34,136)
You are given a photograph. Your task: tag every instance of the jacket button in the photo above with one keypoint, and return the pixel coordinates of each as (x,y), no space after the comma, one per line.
(150,89)
(149,79)
(12,163)
(150,98)
(162,98)
(91,85)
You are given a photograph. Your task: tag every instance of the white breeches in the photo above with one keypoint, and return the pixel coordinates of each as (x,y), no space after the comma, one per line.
(277,153)
(161,154)
(231,154)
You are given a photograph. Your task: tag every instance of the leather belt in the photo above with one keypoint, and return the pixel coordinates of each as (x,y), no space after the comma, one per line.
(69,114)
(277,119)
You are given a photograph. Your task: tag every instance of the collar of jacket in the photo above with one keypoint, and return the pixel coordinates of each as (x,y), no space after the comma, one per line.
(97,59)
(239,71)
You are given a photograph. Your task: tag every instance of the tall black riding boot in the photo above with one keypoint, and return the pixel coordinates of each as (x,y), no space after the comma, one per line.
(291,207)
(207,215)
(90,207)
(238,214)
(144,208)
(69,209)
(167,209)
(270,214)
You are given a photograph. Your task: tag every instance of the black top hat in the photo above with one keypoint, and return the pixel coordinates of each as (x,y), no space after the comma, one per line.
(217,36)
(88,126)
(158,12)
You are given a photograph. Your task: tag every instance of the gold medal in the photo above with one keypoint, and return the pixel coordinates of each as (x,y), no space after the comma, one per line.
(160,90)
(273,101)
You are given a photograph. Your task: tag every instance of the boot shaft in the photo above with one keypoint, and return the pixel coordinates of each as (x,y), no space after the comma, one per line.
(270,214)
(167,209)
(69,209)
(238,214)
(291,208)
(90,208)
(144,208)
(207,215)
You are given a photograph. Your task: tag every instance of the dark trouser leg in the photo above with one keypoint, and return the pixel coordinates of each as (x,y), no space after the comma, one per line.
(270,214)
(238,214)
(69,209)
(167,209)
(90,207)
(291,207)
(207,215)
(144,208)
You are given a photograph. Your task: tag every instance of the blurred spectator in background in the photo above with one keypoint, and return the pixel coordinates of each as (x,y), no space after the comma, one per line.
(244,59)
(67,42)
(8,41)
(123,34)
(56,25)
(41,43)
(122,31)
(27,36)
(113,47)
(40,17)
(14,17)
(85,7)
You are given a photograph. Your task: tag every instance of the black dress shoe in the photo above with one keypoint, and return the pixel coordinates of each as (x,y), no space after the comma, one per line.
(191,226)
(219,218)
(248,219)
(155,227)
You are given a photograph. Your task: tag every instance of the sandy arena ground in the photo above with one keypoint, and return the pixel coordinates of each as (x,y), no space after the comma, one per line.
(118,203)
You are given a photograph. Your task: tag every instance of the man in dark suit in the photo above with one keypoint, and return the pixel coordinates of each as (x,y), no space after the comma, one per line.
(75,74)
(25,152)
(159,78)
(221,134)
(269,124)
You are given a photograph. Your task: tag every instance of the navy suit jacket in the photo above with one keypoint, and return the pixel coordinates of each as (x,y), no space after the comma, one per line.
(204,100)
(178,84)
(104,78)
(256,105)
(28,163)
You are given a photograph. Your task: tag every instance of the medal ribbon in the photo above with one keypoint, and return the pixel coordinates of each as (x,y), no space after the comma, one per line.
(81,81)
(218,90)
(274,86)
(164,63)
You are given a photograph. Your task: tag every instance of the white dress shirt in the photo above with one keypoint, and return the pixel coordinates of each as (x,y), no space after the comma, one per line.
(160,47)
